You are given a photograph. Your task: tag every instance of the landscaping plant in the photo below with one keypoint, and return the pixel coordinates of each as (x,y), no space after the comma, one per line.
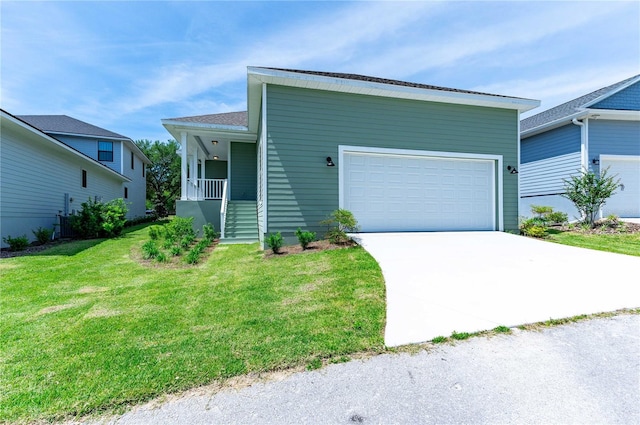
(18,243)
(305,237)
(43,234)
(589,192)
(340,222)
(275,241)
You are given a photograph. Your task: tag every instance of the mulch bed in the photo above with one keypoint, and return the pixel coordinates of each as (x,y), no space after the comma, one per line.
(31,249)
(603,227)
(316,246)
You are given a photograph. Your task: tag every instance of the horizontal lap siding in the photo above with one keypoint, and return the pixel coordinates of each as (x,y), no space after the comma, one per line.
(306,126)
(614,138)
(34,177)
(556,142)
(546,176)
(137,192)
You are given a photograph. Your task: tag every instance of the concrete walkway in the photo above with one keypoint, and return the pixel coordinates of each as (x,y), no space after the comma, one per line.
(438,283)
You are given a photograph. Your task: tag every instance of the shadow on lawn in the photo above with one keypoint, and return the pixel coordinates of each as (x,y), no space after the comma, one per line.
(70,247)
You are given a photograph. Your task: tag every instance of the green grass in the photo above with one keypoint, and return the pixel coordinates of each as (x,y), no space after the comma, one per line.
(85,328)
(623,243)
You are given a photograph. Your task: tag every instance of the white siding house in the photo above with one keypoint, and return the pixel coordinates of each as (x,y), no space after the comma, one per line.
(41,178)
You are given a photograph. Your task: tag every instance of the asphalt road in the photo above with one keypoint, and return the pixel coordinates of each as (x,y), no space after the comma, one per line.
(587,372)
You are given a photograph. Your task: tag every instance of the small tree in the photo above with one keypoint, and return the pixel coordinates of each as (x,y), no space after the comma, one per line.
(589,192)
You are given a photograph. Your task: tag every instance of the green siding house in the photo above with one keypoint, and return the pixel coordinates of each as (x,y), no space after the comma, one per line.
(401,156)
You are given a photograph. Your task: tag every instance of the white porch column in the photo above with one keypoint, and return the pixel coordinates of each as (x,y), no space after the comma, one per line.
(193,172)
(183,165)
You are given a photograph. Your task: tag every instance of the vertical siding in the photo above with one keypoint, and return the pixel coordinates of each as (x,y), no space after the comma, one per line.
(243,171)
(35,175)
(628,98)
(306,126)
(556,142)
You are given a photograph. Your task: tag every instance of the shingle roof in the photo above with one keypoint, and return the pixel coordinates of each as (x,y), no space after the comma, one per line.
(228,118)
(63,124)
(568,108)
(358,77)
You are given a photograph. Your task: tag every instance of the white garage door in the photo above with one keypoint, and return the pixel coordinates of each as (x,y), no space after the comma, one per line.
(419,193)
(626,201)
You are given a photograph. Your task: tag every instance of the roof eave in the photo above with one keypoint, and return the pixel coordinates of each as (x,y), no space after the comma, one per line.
(257,76)
(612,92)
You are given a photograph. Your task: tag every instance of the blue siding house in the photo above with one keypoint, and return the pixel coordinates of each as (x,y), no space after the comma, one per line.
(113,150)
(600,130)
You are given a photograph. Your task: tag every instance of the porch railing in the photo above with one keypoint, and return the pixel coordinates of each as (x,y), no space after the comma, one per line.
(223,209)
(205,189)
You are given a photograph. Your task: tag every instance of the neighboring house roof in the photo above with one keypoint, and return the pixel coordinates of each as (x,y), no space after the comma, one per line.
(568,110)
(17,120)
(64,124)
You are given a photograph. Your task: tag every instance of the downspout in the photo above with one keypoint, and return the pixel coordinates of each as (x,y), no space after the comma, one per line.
(583,143)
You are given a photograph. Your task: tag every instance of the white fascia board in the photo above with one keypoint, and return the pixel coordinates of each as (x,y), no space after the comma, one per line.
(612,92)
(614,114)
(200,125)
(371,88)
(611,114)
(235,132)
(63,146)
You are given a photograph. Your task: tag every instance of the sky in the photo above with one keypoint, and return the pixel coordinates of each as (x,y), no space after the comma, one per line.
(125,65)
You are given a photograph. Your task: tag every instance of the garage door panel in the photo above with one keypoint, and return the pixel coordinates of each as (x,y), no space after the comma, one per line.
(419,193)
(626,201)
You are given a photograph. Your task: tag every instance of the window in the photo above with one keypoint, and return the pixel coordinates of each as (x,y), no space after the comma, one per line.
(132,160)
(126,192)
(105,151)
(84,178)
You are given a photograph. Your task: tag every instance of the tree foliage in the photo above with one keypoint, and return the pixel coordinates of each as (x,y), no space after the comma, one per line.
(589,192)
(163,175)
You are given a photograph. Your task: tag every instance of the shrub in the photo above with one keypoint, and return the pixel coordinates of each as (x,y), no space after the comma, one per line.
(175,250)
(275,241)
(87,223)
(541,210)
(169,243)
(155,232)
(113,217)
(18,243)
(43,235)
(209,232)
(161,257)
(150,250)
(305,238)
(557,217)
(180,227)
(186,241)
(589,192)
(340,222)
(535,227)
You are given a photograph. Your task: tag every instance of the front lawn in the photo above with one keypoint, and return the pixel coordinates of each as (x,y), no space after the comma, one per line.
(84,327)
(621,243)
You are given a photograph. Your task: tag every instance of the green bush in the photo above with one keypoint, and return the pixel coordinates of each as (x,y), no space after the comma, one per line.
(179,227)
(150,250)
(275,241)
(305,238)
(557,217)
(541,210)
(18,243)
(161,257)
(155,232)
(209,232)
(95,219)
(43,235)
(175,250)
(535,227)
(340,222)
(589,192)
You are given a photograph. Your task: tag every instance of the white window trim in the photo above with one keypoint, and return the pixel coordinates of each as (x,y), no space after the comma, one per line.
(344,149)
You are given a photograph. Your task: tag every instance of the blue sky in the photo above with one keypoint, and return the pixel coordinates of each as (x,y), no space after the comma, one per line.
(126,65)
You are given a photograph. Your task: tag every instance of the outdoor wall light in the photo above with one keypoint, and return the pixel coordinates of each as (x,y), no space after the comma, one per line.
(330,162)
(216,157)
(215,142)
(512,170)
(595,161)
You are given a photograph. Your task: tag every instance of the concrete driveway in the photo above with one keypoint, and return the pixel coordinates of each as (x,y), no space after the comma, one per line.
(438,283)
